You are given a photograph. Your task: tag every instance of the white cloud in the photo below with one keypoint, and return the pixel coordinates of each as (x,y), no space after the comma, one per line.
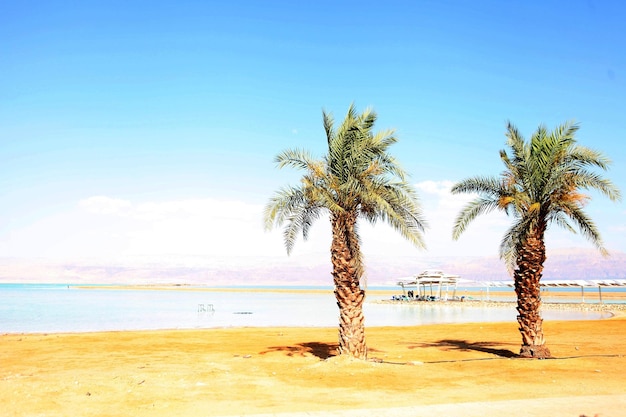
(442,207)
(440,188)
(104,205)
(106,228)
(210,229)
(199,227)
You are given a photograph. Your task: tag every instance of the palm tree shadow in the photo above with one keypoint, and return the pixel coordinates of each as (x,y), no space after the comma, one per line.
(318,349)
(465,346)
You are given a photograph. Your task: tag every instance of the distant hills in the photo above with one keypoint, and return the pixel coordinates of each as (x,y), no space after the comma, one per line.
(561,264)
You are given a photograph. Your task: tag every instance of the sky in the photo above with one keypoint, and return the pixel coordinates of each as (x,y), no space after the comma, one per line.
(134,131)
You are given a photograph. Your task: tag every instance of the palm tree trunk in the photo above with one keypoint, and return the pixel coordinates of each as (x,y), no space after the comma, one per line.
(527,275)
(347,271)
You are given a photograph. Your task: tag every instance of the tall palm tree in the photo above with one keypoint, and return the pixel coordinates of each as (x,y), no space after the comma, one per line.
(357,178)
(541,185)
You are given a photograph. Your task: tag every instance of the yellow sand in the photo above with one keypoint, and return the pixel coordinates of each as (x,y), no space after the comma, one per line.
(269,370)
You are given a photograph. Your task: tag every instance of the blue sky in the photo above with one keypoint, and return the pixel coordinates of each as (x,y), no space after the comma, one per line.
(148,129)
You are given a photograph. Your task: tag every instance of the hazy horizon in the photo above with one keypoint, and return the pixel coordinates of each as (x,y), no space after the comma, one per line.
(575,264)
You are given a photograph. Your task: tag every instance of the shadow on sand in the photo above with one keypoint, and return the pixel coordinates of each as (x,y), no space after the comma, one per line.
(318,349)
(321,350)
(465,346)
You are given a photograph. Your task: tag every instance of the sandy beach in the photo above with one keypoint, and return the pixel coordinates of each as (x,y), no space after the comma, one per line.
(452,369)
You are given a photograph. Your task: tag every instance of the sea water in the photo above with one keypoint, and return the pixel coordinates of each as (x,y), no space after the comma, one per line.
(54,308)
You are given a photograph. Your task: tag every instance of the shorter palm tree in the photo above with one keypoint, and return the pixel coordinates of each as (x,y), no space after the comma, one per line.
(357,178)
(541,185)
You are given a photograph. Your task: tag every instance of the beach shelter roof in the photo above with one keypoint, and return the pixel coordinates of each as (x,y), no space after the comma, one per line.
(564,283)
(428,277)
(569,283)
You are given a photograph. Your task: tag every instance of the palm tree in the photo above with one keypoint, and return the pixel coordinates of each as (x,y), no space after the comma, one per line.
(357,178)
(541,185)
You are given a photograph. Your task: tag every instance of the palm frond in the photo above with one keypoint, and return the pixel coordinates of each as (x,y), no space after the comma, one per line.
(357,177)
(481,185)
(281,205)
(541,185)
(294,158)
(291,207)
(587,228)
(583,156)
(329,122)
(509,245)
(470,212)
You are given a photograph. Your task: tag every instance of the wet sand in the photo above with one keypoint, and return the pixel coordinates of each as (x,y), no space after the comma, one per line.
(447,369)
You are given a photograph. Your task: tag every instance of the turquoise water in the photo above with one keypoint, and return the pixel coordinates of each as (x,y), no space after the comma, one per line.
(54,308)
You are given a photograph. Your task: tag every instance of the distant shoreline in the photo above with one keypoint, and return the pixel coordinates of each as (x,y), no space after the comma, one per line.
(497,297)
(474,297)
(474,291)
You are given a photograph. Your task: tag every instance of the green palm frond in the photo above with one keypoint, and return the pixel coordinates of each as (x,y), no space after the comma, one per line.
(329,122)
(561,219)
(541,185)
(587,228)
(510,243)
(397,205)
(481,185)
(281,205)
(593,181)
(357,177)
(294,158)
(470,212)
(582,156)
(517,143)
